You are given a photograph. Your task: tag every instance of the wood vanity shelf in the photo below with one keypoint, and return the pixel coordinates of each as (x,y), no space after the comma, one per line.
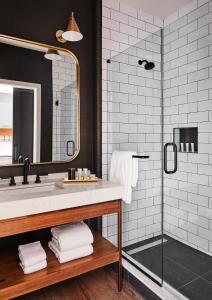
(14,283)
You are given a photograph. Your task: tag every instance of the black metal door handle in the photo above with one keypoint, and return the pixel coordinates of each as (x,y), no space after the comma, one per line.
(67,148)
(175,158)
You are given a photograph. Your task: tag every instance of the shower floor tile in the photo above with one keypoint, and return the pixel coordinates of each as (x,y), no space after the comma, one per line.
(184,268)
(198,289)
(208,276)
(174,274)
(192,259)
(151,259)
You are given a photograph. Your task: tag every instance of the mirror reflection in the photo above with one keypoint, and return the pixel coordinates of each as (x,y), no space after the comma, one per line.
(39,103)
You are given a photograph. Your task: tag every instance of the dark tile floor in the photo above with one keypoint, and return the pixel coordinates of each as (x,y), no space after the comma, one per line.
(184,268)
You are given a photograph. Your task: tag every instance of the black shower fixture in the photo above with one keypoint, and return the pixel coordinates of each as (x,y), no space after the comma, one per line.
(148,64)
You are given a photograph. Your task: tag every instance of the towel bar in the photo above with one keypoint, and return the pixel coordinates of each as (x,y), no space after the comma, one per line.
(140,156)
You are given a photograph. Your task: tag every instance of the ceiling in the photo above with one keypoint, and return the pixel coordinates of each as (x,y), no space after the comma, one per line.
(158,8)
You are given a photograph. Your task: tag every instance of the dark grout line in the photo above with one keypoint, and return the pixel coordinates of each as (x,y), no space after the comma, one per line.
(210,283)
(188,283)
(183,267)
(205,278)
(199,277)
(206,272)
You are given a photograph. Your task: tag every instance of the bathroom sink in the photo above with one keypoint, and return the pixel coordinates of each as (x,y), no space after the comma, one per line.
(24,200)
(34,189)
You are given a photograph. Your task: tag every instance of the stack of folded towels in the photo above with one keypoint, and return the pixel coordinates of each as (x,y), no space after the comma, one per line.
(71,241)
(32,257)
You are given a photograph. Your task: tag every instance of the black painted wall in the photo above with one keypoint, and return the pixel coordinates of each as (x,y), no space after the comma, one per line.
(26,65)
(38,20)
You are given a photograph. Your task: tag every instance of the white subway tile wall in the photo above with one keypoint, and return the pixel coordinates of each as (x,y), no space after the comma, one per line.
(187,103)
(132,114)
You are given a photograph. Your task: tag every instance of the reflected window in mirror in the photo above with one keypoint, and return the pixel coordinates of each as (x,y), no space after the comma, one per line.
(6,126)
(19,122)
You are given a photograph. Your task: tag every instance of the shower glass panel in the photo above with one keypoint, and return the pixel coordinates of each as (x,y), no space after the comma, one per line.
(187,102)
(135,123)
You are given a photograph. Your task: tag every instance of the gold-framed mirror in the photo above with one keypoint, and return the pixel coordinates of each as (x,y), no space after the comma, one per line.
(39,103)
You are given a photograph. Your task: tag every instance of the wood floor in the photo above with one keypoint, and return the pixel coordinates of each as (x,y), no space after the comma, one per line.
(96,285)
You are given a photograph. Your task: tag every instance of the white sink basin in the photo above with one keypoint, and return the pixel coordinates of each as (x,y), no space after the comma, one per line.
(33,189)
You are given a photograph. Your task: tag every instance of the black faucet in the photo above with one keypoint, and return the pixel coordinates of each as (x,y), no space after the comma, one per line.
(12,180)
(38,180)
(26,171)
(20,159)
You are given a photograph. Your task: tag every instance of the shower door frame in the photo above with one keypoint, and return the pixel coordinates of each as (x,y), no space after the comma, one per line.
(162,175)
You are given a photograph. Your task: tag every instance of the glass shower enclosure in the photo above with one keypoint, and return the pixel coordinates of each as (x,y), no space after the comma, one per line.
(135,123)
(164,111)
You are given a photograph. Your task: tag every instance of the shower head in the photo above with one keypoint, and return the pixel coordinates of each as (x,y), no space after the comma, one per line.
(148,64)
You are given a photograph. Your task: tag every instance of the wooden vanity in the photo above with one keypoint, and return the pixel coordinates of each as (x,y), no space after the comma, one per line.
(14,283)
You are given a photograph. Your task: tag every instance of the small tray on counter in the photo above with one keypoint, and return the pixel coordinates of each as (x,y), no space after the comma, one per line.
(95,179)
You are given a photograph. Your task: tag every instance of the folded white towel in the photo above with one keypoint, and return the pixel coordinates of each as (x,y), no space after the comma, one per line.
(124,170)
(31,254)
(31,269)
(71,236)
(30,261)
(65,256)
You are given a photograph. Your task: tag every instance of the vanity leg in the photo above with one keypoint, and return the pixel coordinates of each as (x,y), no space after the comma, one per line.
(120,276)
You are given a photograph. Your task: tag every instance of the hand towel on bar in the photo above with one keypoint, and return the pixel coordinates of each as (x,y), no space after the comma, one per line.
(71,236)
(31,254)
(124,170)
(34,268)
(65,256)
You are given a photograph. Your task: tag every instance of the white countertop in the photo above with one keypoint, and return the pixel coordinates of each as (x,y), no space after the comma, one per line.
(54,195)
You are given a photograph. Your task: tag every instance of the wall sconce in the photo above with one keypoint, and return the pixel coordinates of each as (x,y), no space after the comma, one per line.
(72,32)
(52,54)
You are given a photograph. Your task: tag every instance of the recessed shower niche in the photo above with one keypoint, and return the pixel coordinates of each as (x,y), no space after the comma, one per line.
(186,139)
